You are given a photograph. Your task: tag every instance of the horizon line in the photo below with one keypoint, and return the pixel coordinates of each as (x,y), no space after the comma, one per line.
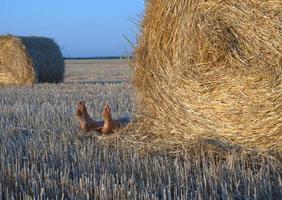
(97,57)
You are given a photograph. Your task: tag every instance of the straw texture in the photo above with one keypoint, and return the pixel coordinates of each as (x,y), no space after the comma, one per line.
(209,69)
(28,60)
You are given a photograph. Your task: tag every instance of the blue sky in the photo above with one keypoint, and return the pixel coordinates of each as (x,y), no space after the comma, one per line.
(82,28)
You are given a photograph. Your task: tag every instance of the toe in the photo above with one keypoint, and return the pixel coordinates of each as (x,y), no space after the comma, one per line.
(109,109)
(79,105)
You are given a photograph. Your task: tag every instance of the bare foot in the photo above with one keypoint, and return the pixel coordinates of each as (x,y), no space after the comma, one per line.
(85,121)
(109,123)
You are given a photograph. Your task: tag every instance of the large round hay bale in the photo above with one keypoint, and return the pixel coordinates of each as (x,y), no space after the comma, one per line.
(209,69)
(28,60)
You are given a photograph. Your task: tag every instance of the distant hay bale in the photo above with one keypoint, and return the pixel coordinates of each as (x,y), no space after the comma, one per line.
(209,69)
(28,60)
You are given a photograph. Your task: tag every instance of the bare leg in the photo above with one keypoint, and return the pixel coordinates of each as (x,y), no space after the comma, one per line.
(85,121)
(109,123)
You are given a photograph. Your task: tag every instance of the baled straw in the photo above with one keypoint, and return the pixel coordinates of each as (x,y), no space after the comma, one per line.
(209,69)
(27,60)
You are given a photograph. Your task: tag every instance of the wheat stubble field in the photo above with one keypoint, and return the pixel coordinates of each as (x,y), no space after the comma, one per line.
(43,155)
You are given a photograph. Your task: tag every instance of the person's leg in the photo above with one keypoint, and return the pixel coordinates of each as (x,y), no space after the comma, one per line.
(107,126)
(109,123)
(85,121)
